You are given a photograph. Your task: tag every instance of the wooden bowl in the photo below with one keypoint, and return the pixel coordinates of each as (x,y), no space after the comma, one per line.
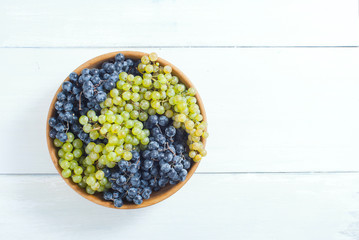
(97,198)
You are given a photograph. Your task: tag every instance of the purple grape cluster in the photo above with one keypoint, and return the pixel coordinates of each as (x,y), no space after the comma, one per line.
(165,161)
(85,92)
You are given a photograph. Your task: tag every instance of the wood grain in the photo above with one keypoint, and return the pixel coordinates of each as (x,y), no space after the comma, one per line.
(215,206)
(156,197)
(282,110)
(201,23)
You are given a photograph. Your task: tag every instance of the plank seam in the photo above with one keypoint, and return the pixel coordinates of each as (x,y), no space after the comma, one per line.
(209,173)
(219,46)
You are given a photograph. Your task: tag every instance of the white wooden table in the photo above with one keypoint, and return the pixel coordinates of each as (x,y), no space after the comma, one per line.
(280,82)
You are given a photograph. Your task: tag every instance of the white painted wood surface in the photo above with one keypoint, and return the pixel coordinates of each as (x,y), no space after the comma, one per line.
(68,23)
(215,206)
(269,110)
(280,82)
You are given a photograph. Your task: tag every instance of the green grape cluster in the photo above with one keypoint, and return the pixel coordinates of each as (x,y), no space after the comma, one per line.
(130,104)
(80,168)
(119,125)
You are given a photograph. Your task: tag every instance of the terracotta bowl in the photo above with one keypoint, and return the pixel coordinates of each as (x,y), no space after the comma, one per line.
(97,198)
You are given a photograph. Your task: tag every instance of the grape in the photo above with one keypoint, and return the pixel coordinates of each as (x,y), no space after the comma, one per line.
(66,173)
(58,143)
(153,56)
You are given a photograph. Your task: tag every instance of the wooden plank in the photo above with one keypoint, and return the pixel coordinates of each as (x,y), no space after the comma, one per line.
(242,206)
(69,23)
(268,109)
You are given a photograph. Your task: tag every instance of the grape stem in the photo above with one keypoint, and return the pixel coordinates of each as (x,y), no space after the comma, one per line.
(67,129)
(80,101)
(95,129)
(168,146)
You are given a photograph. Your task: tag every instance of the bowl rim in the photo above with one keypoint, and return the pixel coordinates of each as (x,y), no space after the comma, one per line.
(156,197)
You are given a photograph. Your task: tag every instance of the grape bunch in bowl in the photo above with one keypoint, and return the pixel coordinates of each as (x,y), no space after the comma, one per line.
(126,129)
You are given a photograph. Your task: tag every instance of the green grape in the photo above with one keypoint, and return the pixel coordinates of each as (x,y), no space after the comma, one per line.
(145,59)
(148,95)
(108,185)
(126,87)
(82,184)
(174,80)
(103,160)
(136,131)
(93,156)
(99,174)
(113,93)
(66,173)
(149,68)
(135,97)
(161,110)
(129,124)
(69,156)
(123,76)
(91,114)
(111,164)
(119,84)
(126,95)
(125,115)
(147,82)
(169,113)
(91,169)
(135,141)
(119,150)
(111,156)
(147,132)
(167,69)
(67,147)
(101,189)
(155,95)
(94,135)
(118,119)
(73,164)
(153,56)
(65,164)
(128,107)
(61,153)
(89,190)
(128,147)
(78,170)
(155,104)
(95,186)
(83,120)
(58,143)
(128,139)
(90,146)
(76,178)
(90,180)
(103,181)
(87,128)
(145,141)
(137,80)
(143,116)
(144,105)
(127,155)
(70,137)
(134,114)
(77,143)
(157,84)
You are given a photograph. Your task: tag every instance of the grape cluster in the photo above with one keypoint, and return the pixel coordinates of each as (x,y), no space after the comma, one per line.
(83,93)
(163,162)
(137,129)
(75,165)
